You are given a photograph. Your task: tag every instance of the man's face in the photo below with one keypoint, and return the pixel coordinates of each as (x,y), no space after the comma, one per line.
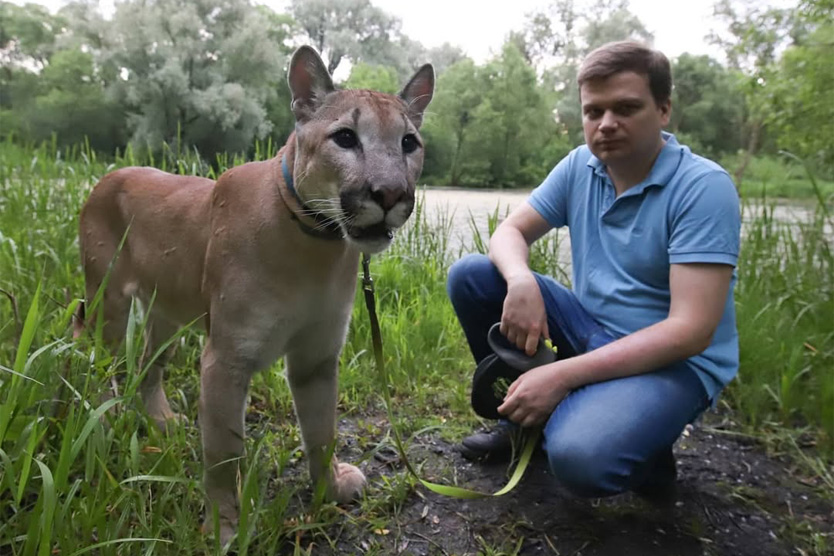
(621,120)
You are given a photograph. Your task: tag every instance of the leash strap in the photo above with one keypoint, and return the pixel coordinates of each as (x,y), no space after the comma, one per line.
(445,490)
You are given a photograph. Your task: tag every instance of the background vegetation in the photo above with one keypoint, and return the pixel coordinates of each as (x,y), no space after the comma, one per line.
(208,76)
(196,87)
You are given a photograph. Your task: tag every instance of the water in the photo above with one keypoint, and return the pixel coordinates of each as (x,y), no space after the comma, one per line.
(463,207)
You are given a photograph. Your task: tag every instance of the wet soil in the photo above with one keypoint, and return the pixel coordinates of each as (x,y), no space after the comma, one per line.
(734,499)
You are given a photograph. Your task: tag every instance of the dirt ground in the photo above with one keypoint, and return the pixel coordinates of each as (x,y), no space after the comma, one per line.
(734,500)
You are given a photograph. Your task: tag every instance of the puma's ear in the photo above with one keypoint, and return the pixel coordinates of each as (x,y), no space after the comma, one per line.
(309,82)
(417,94)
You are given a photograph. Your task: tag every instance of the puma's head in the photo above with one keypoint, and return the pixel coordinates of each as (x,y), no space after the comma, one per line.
(358,152)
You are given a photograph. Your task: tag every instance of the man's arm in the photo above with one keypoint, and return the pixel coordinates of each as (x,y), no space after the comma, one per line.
(698,295)
(523,320)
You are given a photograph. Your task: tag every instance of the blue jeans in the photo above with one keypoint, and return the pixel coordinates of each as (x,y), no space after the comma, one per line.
(603,438)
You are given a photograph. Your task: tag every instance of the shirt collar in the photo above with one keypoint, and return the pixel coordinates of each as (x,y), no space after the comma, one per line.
(663,169)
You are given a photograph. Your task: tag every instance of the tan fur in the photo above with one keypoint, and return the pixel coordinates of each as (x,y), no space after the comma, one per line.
(232,253)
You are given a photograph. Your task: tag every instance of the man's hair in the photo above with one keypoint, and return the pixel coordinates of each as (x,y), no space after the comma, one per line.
(616,57)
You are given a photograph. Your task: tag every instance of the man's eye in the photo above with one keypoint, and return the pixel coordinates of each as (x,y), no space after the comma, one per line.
(593,114)
(410,143)
(346,138)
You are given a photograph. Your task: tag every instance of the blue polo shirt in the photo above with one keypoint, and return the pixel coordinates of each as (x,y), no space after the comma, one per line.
(685,211)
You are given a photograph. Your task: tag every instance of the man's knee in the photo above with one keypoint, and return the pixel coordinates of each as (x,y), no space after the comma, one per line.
(585,467)
(466,274)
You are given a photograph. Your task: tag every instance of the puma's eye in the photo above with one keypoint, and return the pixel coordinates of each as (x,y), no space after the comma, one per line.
(345,138)
(410,143)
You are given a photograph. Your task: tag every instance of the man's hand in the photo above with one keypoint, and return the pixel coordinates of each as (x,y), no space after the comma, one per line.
(532,398)
(524,320)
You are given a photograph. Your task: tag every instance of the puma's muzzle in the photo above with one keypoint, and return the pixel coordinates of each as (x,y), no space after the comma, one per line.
(374,214)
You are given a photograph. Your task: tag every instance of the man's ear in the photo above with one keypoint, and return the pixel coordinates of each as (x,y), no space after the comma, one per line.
(418,93)
(309,82)
(666,112)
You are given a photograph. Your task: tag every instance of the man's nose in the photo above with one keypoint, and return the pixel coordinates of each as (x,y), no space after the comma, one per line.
(609,121)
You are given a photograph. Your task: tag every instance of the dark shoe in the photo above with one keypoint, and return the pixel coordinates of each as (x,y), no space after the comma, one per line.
(497,445)
(660,489)
(494,445)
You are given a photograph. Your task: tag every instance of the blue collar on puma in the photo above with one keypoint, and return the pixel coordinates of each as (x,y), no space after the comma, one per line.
(326,228)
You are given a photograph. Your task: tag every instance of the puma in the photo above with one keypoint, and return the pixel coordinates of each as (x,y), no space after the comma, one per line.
(268,257)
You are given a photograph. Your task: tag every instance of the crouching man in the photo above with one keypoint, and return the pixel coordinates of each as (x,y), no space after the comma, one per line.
(646,335)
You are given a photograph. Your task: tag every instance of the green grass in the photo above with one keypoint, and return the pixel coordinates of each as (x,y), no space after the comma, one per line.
(785,310)
(780,177)
(74,483)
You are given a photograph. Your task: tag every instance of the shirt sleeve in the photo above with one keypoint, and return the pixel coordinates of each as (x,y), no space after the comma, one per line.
(706,223)
(550,199)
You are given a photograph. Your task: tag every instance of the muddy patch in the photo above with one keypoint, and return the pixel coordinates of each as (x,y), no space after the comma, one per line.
(734,499)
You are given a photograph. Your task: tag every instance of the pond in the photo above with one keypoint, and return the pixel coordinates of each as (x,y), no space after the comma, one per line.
(468,208)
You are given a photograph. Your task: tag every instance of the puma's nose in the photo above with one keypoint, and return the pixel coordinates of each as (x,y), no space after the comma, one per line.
(387,196)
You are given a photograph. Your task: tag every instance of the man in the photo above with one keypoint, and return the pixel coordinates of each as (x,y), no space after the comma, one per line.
(647,335)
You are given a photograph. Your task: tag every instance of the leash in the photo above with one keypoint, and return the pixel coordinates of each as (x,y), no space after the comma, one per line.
(445,490)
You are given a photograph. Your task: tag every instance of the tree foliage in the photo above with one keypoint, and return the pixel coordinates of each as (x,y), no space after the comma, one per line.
(210,75)
(199,72)
(707,108)
(778,55)
(339,29)
(803,100)
(378,78)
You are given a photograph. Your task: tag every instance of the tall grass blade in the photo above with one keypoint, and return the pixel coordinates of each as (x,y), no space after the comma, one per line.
(116,542)
(48,508)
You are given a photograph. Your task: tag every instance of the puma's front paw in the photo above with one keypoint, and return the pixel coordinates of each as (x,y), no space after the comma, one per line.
(226,529)
(348,483)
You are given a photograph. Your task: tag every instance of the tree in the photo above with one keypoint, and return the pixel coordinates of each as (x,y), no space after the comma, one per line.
(443,57)
(611,20)
(802,114)
(188,73)
(459,92)
(551,36)
(352,29)
(27,34)
(754,38)
(492,125)
(379,78)
(707,108)
(73,104)
(512,123)
(27,39)
(48,90)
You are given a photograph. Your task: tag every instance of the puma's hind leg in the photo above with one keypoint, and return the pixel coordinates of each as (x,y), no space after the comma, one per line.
(110,314)
(160,330)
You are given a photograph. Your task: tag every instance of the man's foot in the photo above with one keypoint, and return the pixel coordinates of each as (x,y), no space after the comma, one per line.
(660,489)
(495,445)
